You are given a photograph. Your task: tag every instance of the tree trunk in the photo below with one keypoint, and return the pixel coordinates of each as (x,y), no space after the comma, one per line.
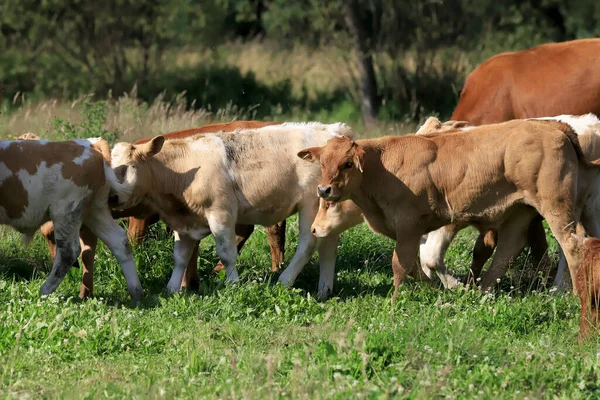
(367,81)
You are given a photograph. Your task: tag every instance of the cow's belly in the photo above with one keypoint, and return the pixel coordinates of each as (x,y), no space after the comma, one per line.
(266,216)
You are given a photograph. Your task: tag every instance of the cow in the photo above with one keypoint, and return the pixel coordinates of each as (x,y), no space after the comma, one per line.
(335,218)
(206,184)
(64,182)
(527,84)
(587,127)
(532,83)
(494,176)
(587,282)
(140,217)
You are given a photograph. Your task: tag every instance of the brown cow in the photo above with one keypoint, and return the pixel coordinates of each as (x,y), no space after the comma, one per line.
(494,176)
(588,285)
(532,83)
(587,127)
(64,182)
(527,84)
(141,216)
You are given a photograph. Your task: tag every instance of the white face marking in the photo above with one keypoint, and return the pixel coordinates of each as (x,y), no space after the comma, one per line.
(580,123)
(119,154)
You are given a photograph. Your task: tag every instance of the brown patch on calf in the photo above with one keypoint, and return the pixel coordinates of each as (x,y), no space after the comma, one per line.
(13,197)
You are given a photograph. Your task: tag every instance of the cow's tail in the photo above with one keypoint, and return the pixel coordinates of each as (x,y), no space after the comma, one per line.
(102,147)
(116,187)
(574,139)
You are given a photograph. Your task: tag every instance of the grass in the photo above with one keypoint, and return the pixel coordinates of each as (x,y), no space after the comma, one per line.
(256,339)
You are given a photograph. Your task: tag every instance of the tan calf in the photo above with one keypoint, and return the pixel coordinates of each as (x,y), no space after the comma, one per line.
(206,184)
(63,182)
(587,128)
(408,186)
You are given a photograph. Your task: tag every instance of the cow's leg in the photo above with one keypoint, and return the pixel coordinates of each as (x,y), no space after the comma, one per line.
(327,248)
(47,231)
(536,238)
(66,233)
(403,260)
(485,244)
(242,233)
(137,229)
(276,237)
(88,251)
(512,238)
(101,223)
(182,253)
(562,229)
(191,279)
(584,292)
(306,245)
(222,226)
(433,251)
(590,222)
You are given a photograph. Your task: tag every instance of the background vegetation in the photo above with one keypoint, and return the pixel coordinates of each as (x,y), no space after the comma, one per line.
(382,60)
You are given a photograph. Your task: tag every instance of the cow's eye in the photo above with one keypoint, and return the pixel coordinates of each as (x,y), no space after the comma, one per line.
(349,164)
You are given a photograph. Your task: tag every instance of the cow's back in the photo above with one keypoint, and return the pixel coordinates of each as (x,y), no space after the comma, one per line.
(269,179)
(550,79)
(213,128)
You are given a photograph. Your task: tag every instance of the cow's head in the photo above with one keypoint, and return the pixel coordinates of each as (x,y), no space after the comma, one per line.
(341,167)
(335,218)
(132,173)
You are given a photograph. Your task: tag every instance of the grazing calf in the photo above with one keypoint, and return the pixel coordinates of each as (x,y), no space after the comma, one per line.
(206,184)
(408,186)
(588,285)
(141,216)
(63,182)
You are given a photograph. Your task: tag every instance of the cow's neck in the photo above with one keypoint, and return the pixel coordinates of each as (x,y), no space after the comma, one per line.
(170,174)
(364,197)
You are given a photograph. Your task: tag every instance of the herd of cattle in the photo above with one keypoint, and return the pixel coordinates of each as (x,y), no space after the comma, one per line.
(522,145)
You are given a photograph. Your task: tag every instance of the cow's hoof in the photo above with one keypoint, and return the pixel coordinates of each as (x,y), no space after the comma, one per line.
(136,292)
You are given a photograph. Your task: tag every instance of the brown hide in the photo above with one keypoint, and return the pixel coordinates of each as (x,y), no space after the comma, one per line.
(543,81)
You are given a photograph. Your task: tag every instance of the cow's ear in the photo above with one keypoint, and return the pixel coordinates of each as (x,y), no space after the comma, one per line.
(152,147)
(312,154)
(455,124)
(359,157)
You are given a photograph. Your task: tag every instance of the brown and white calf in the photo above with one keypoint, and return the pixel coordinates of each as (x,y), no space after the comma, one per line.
(206,184)
(587,282)
(62,182)
(495,176)
(140,217)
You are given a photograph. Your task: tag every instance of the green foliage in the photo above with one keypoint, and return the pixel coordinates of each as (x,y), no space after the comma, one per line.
(422,51)
(94,120)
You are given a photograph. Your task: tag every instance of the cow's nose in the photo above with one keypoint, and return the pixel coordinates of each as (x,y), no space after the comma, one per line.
(324,191)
